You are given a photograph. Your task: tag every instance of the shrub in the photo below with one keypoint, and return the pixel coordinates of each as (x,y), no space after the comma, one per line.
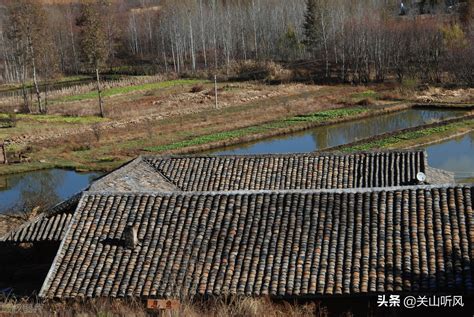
(9,121)
(260,70)
(365,102)
(197,88)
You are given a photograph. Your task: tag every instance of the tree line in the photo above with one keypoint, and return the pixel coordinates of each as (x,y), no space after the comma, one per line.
(352,41)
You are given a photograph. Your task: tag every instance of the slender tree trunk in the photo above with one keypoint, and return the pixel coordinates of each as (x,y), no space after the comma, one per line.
(173,55)
(37,91)
(35,78)
(163,48)
(193,56)
(215,90)
(203,35)
(25,96)
(244,47)
(101,105)
(325,40)
(255,29)
(73,43)
(46,98)
(215,32)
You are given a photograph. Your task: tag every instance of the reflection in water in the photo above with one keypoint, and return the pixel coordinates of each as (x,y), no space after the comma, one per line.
(455,155)
(342,133)
(46,187)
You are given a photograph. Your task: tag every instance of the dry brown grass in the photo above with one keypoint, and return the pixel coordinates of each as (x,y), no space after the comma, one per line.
(197,88)
(260,70)
(365,102)
(10,103)
(240,307)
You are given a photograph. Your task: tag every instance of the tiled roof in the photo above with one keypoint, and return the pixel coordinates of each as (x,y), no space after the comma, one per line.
(284,243)
(48,226)
(136,175)
(291,171)
(262,172)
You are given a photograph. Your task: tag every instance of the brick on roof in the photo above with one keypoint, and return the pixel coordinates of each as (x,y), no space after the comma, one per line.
(286,243)
(291,171)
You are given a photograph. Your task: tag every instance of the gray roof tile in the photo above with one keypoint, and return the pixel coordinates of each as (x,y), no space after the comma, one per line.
(280,243)
(291,171)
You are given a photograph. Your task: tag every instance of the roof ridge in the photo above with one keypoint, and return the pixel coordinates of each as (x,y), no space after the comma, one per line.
(302,154)
(283,191)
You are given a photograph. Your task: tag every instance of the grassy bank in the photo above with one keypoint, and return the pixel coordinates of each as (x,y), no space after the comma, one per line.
(416,138)
(328,116)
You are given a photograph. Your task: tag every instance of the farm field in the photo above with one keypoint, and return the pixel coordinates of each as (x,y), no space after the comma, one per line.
(178,116)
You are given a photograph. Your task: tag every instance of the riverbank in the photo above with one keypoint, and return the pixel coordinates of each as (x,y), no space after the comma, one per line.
(414,138)
(180,118)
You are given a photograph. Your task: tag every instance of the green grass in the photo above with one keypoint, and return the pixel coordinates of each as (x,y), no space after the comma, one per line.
(128,89)
(321,116)
(55,118)
(219,136)
(400,139)
(365,94)
(329,115)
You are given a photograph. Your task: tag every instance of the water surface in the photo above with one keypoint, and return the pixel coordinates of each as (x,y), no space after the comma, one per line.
(454,155)
(27,190)
(323,137)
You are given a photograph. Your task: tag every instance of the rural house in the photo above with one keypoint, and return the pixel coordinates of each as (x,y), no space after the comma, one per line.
(279,225)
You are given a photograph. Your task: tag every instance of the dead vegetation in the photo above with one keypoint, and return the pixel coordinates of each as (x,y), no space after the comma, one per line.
(260,70)
(439,94)
(249,307)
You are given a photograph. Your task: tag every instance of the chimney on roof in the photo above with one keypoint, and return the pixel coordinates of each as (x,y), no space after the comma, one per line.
(130,235)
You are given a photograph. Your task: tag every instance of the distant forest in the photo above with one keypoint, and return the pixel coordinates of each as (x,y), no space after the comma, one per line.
(344,41)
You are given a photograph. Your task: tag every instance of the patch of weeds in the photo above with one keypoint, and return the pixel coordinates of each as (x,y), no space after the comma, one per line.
(329,114)
(402,138)
(80,148)
(60,119)
(365,94)
(97,131)
(8,121)
(219,136)
(197,88)
(409,84)
(107,159)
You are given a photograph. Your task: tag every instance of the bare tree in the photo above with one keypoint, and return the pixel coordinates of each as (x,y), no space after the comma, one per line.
(27,30)
(93,39)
